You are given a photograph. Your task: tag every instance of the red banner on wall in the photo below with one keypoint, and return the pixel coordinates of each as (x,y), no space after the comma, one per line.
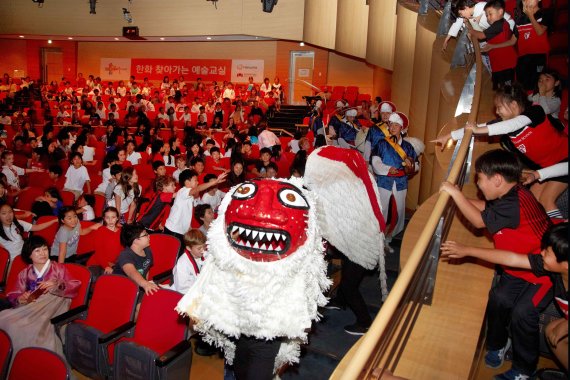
(191,69)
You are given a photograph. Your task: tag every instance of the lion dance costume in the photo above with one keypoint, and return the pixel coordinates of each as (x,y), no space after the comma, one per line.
(266,273)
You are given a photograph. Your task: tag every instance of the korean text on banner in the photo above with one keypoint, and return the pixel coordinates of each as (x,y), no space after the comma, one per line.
(191,69)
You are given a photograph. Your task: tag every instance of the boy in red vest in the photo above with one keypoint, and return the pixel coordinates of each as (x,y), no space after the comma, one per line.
(503,58)
(516,220)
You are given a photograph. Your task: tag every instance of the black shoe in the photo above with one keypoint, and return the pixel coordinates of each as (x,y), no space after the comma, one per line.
(334,305)
(355,329)
(205,349)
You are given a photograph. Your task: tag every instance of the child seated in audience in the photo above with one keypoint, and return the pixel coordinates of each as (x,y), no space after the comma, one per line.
(64,247)
(215,162)
(197,164)
(213,196)
(109,244)
(178,221)
(552,261)
(180,166)
(547,92)
(13,172)
(132,156)
(167,157)
(205,216)
(262,163)
(503,58)
(517,223)
(48,204)
(77,176)
(190,262)
(210,143)
(12,231)
(154,214)
(125,195)
(55,176)
(84,207)
(271,170)
(136,259)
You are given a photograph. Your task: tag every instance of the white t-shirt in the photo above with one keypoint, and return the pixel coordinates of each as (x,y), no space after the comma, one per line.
(76,178)
(88,213)
(294,146)
(181,212)
(12,175)
(88,153)
(213,200)
(16,242)
(134,158)
(125,200)
(106,177)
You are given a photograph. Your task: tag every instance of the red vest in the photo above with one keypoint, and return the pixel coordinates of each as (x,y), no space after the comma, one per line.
(543,144)
(531,43)
(502,58)
(526,238)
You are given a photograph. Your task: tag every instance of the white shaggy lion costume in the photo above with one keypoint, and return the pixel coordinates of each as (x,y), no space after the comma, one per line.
(266,272)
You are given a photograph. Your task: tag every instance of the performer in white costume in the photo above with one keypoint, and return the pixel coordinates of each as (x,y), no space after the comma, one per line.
(259,292)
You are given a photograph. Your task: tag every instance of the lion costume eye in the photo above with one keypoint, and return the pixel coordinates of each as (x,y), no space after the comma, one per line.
(245,191)
(293,198)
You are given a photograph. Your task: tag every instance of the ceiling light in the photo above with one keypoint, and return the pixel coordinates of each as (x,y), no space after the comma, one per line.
(49,41)
(127,15)
(69,38)
(208,38)
(116,39)
(162,38)
(21,36)
(301,44)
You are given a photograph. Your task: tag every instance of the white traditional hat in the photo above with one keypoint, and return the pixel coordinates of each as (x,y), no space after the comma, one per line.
(351,112)
(400,118)
(387,106)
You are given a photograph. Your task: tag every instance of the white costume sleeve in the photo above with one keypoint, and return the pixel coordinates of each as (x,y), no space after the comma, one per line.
(557,170)
(379,167)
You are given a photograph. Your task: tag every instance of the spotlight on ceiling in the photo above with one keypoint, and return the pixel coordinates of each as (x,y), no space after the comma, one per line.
(268,5)
(92,5)
(127,15)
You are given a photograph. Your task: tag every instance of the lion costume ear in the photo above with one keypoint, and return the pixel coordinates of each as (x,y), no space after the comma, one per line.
(348,206)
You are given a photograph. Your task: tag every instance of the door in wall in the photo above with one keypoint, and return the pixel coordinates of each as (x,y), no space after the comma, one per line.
(301,76)
(52,64)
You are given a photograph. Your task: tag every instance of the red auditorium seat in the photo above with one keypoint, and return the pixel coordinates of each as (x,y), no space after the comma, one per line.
(5,353)
(46,364)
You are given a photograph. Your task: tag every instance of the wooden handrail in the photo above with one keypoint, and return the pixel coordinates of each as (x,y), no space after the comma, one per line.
(363,362)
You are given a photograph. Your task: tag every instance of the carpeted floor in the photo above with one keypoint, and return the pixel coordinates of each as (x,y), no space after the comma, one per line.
(328,342)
